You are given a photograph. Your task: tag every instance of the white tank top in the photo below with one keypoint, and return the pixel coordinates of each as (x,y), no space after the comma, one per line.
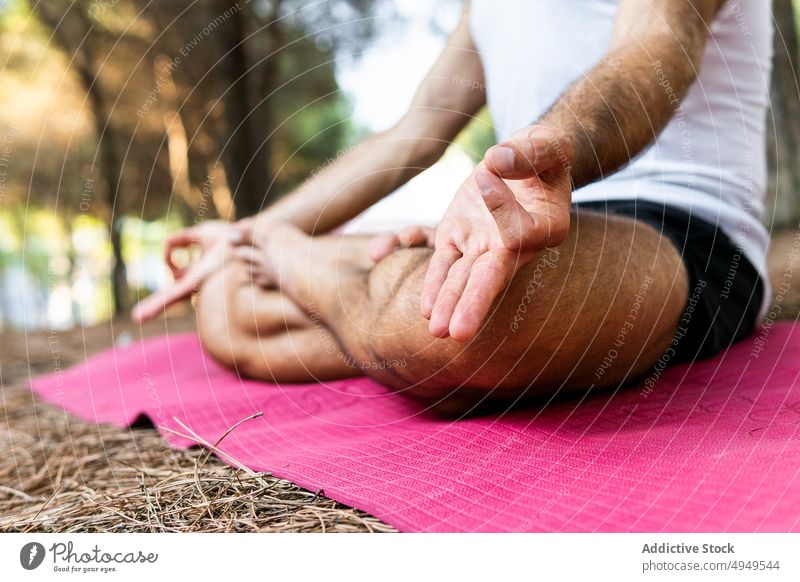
(710,160)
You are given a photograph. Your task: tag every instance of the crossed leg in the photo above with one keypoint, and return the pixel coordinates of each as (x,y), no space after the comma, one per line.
(262,334)
(596,312)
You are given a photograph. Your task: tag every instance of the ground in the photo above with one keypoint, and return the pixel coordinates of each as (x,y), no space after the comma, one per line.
(59,474)
(56,472)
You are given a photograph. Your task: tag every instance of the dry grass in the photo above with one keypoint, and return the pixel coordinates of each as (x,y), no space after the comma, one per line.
(59,474)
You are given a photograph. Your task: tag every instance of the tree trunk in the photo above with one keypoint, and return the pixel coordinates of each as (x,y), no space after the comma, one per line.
(246,157)
(177,145)
(784,122)
(111,171)
(82,60)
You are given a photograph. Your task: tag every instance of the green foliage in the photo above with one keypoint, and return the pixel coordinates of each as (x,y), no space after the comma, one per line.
(478,136)
(796,6)
(313,115)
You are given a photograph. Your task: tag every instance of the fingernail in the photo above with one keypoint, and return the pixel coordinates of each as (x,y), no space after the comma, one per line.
(234,236)
(426,306)
(484,182)
(503,159)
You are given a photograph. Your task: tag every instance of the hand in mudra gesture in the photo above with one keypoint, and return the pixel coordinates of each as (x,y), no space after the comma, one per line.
(515,203)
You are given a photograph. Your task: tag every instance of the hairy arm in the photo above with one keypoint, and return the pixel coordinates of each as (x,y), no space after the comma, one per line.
(451,93)
(615,111)
(517,200)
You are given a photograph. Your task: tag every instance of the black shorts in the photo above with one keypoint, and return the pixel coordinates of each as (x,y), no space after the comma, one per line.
(725,290)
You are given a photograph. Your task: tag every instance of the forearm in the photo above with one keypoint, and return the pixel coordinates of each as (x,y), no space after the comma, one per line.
(615,111)
(359,177)
(447,98)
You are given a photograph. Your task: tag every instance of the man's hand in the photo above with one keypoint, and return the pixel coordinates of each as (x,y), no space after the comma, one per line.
(213,238)
(384,245)
(515,203)
(204,236)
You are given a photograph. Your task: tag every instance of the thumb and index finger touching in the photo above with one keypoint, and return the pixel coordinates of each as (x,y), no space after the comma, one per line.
(530,152)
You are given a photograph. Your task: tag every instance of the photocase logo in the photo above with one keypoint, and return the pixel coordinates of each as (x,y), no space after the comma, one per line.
(31,555)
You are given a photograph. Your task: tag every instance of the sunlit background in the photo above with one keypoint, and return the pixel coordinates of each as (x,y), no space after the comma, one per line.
(329,73)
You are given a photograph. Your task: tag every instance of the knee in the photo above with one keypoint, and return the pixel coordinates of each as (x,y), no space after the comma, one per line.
(500,364)
(226,334)
(228,344)
(218,335)
(400,352)
(396,326)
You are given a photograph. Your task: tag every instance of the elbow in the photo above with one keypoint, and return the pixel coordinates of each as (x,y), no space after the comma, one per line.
(429,150)
(428,131)
(424,140)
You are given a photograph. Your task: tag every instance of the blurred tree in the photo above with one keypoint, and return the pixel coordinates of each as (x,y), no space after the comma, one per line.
(75,33)
(784,121)
(259,73)
(209,101)
(478,136)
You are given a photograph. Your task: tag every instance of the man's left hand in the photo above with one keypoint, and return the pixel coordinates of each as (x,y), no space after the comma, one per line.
(515,203)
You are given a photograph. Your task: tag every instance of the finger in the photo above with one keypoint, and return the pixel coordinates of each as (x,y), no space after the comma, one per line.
(263,280)
(258,274)
(242,233)
(490,274)
(180,239)
(515,225)
(155,304)
(435,276)
(414,236)
(182,260)
(249,255)
(449,296)
(539,150)
(382,246)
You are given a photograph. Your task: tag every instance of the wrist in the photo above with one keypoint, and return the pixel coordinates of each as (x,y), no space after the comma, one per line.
(264,220)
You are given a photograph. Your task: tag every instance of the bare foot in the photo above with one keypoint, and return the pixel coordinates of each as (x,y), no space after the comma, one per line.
(294,261)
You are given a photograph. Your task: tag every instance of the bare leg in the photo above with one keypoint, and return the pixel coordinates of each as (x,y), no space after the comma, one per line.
(262,334)
(596,312)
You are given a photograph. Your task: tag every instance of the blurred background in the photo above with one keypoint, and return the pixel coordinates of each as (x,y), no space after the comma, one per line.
(121,120)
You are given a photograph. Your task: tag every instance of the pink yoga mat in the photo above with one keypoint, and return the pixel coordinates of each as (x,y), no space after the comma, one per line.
(712,447)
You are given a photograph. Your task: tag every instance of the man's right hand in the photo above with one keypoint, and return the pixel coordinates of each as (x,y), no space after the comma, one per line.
(204,236)
(215,240)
